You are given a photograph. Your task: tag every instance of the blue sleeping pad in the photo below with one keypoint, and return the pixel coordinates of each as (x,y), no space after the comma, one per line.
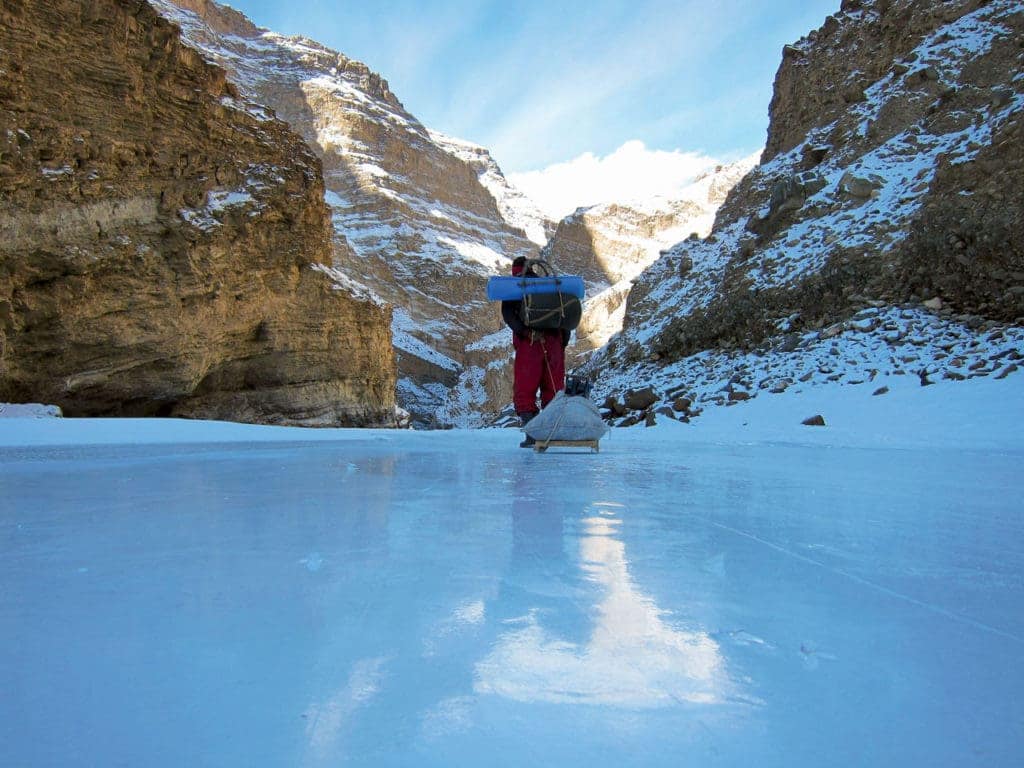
(515,288)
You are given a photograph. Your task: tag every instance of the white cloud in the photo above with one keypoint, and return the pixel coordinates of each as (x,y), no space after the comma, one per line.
(631,172)
(536,94)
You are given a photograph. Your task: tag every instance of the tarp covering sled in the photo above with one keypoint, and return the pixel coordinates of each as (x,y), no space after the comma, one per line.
(569,420)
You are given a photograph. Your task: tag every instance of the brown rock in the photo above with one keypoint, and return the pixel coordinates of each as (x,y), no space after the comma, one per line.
(1011,368)
(814,421)
(681,404)
(159,246)
(640,400)
(615,406)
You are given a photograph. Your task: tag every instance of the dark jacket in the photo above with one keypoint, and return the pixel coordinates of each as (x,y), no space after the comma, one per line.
(510,314)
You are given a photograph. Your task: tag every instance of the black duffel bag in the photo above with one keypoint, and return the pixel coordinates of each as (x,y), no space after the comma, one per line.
(551,311)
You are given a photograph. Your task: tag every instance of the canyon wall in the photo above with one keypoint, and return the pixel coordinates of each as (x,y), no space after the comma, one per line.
(160,236)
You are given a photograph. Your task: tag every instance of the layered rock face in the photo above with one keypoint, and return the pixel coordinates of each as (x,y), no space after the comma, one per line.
(889,192)
(611,244)
(931,88)
(516,208)
(158,236)
(414,225)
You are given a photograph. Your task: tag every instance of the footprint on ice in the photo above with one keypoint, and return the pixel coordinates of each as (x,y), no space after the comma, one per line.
(812,657)
(313,562)
(742,637)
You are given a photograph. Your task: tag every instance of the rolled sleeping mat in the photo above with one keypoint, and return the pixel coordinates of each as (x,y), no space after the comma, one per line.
(516,288)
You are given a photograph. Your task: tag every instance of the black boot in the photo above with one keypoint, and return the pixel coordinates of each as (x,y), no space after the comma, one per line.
(523,419)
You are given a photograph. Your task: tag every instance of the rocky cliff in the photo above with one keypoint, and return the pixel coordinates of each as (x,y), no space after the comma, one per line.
(414,224)
(159,233)
(880,235)
(612,243)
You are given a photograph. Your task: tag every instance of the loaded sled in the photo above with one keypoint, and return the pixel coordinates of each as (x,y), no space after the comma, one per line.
(570,420)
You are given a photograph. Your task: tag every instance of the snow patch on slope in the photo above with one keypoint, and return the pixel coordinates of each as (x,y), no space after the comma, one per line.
(515,207)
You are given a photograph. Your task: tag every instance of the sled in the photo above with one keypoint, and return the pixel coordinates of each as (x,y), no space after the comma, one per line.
(542,445)
(568,421)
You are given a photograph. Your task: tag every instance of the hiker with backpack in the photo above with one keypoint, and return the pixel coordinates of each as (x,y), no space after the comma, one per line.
(539,366)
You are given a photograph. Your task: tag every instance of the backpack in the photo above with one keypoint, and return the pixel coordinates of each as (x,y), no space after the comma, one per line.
(556,310)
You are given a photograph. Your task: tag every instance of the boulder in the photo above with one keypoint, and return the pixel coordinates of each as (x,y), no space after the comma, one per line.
(640,400)
(861,186)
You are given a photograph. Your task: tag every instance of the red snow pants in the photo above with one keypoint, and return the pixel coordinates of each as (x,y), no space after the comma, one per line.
(539,365)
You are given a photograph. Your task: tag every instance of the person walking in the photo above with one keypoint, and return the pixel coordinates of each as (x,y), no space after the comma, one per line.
(539,366)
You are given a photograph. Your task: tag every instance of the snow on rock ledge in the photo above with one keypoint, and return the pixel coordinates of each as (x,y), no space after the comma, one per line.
(892,176)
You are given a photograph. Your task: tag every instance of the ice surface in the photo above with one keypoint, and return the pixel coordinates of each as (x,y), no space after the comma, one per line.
(750,592)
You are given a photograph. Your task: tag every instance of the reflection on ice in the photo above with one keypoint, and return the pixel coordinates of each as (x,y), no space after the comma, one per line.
(468,614)
(471,612)
(326,721)
(632,658)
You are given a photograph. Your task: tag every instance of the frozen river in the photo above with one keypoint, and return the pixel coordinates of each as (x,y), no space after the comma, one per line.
(447,599)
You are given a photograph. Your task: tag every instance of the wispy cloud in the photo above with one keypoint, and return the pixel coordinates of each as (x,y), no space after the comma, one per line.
(630,172)
(544,91)
(539,82)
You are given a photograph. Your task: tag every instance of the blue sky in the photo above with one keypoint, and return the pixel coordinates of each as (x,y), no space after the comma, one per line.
(550,83)
(543,82)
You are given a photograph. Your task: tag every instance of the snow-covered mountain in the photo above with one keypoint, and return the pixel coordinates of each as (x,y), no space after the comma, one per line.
(881,235)
(612,243)
(516,208)
(420,220)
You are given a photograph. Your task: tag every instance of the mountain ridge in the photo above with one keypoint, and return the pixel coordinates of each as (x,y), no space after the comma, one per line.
(413,224)
(882,225)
